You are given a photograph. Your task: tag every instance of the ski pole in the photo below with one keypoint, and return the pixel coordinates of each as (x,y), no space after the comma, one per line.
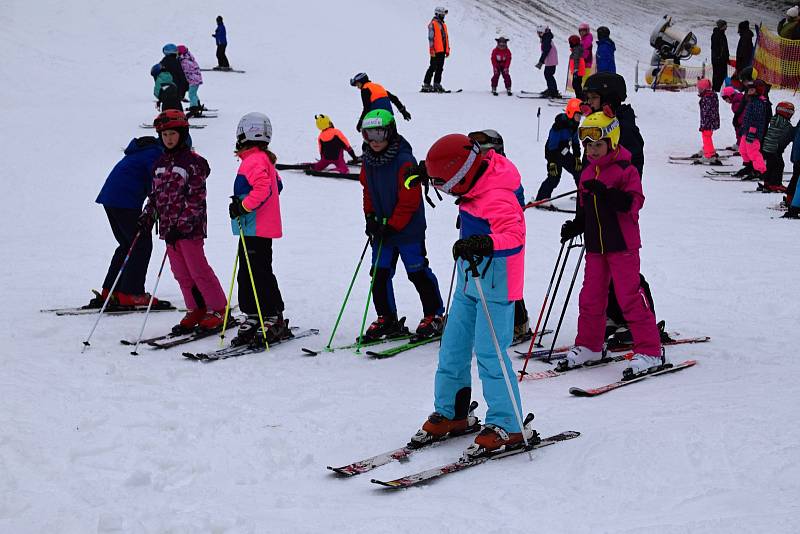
(538,122)
(111,291)
(252,282)
(135,352)
(541,312)
(535,203)
(566,302)
(347,295)
(369,293)
(230,296)
(501,360)
(449,296)
(552,302)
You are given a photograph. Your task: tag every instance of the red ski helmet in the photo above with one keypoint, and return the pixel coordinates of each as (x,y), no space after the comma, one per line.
(170,119)
(452,164)
(703,84)
(785,109)
(574,40)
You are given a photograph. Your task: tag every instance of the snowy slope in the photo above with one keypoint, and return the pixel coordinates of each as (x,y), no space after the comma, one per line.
(105,442)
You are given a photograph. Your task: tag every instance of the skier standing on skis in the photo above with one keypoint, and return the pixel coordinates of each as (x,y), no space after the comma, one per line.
(171,64)
(609,199)
(164,89)
(193,77)
(577,65)
(501,62)
(220,35)
(332,146)
(255,211)
(754,122)
(492,240)
(439,49)
(375,96)
(122,196)
(735,99)
(606,49)
(709,120)
(779,134)
(395,220)
(549,59)
(492,140)
(178,202)
(562,149)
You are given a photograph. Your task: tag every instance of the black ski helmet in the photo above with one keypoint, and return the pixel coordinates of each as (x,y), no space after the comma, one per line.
(361,77)
(610,86)
(603,32)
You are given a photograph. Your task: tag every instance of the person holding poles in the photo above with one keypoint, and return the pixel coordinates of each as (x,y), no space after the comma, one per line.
(395,220)
(255,213)
(491,248)
(562,151)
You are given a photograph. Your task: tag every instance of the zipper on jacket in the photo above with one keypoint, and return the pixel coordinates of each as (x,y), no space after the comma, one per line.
(597,213)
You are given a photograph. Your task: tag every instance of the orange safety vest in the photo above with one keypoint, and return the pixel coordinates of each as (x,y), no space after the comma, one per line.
(438,39)
(581,67)
(376,91)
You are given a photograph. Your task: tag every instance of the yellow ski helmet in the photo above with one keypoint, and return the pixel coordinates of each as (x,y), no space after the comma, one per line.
(323,121)
(599,126)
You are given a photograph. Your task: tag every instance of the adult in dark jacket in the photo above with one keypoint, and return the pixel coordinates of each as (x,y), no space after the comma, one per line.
(720,55)
(744,50)
(221,37)
(122,197)
(172,64)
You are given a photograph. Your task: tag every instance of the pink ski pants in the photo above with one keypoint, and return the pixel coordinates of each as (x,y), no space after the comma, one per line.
(189,265)
(751,152)
(623,268)
(708,143)
(506,77)
(338,164)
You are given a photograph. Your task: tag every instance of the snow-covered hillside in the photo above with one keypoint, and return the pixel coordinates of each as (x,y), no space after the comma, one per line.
(106,442)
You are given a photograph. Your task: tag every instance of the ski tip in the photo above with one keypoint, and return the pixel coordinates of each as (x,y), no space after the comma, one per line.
(390,484)
(126,342)
(342,472)
(578,392)
(310,352)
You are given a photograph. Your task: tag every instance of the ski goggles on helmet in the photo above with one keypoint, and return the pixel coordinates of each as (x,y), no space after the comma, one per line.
(375,134)
(596,133)
(485,140)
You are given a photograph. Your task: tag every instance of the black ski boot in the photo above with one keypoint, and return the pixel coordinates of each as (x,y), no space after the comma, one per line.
(430,326)
(384,326)
(437,88)
(426,88)
(276,329)
(744,172)
(247,331)
(494,91)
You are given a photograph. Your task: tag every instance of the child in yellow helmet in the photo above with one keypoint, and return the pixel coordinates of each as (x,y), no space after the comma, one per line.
(332,145)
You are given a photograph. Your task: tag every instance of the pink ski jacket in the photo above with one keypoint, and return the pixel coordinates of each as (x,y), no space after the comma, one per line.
(258,185)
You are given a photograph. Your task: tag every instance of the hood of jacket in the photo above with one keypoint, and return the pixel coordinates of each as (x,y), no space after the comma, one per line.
(500,173)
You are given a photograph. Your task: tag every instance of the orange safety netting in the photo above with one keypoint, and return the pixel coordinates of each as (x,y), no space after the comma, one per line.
(776,59)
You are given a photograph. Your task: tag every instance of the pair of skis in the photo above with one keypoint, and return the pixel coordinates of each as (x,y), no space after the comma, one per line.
(253,348)
(403,453)
(175,339)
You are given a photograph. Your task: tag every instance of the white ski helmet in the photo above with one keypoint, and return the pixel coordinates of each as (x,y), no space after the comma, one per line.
(254,127)
(440,11)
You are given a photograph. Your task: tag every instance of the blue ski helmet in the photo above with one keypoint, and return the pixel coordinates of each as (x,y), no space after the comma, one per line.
(170,48)
(155,70)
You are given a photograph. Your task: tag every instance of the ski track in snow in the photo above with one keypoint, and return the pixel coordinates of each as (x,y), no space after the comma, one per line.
(109,443)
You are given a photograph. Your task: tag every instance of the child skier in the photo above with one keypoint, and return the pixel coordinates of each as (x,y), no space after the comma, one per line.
(178,202)
(501,62)
(709,120)
(171,64)
(122,196)
(164,89)
(754,122)
(562,149)
(549,59)
(609,199)
(606,50)
(332,145)
(577,65)
(779,134)
(492,140)
(395,220)
(375,96)
(193,77)
(735,99)
(256,212)
(587,41)
(492,239)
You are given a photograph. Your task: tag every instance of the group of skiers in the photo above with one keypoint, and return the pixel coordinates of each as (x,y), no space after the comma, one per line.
(720,54)
(596,140)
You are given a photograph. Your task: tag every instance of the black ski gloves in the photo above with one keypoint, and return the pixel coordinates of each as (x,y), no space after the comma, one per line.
(552,169)
(571,228)
(145,223)
(616,199)
(376,229)
(476,245)
(172,236)
(236,209)
(406,115)
(352,154)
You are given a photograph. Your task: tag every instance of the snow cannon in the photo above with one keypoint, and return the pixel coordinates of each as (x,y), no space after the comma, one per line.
(671,43)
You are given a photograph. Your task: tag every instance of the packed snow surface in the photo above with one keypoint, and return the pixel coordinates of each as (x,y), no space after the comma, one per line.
(106,442)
